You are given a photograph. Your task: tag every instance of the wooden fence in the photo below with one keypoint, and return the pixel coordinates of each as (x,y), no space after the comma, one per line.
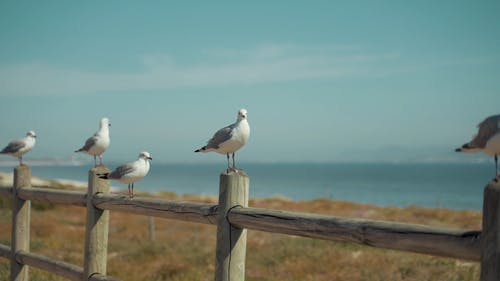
(233,217)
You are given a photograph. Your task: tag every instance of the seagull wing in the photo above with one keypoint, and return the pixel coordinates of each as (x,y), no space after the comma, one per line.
(220,137)
(121,171)
(89,143)
(14,146)
(487,129)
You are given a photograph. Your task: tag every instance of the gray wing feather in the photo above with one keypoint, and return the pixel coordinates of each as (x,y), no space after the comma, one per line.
(220,136)
(487,129)
(120,171)
(88,144)
(13,146)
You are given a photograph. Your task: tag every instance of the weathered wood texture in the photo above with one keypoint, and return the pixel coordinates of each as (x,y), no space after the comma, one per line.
(490,241)
(54,196)
(230,252)
(61,268)
(20,223)
(6,191)
(233,217)
(99,277)
(151,224)
(460,244)
(4,251)
(186,211)
(96,230)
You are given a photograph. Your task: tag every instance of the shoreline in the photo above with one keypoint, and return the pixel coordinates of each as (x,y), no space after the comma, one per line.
(6,180)
(432,186)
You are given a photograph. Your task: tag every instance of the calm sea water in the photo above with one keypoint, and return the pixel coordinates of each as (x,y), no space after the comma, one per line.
(455,186)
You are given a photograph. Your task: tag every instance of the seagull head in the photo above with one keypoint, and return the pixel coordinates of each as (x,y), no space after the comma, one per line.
(242,114)
(31,134)
(105,123)
(145,155)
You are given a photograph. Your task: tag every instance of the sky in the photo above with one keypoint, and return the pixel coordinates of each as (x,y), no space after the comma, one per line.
(323,81)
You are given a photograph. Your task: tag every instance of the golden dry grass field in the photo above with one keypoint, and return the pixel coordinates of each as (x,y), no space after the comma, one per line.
(186,251)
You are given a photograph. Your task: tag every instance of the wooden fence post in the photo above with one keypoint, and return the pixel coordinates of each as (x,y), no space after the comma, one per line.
(20,223)
(231,241)
(490,237)
(151,222)
(96,230)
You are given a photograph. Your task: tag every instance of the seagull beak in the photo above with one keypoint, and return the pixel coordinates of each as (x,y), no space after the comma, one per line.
(150,158)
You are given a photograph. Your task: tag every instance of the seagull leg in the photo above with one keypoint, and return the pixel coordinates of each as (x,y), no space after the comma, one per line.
(100,160)
(496,168)
(129,190)
(95,161)
(132,190)
(234,164)
(20,160)
(496,165)
(228,166)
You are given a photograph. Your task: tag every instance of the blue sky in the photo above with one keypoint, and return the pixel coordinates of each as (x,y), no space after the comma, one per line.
(322,80)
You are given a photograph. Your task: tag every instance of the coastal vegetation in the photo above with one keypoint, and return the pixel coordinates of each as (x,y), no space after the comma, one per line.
(186,251)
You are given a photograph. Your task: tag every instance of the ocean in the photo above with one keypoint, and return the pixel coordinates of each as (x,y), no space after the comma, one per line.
(453,186)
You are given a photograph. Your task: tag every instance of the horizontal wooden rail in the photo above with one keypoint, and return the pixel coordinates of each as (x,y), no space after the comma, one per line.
(460,244)
(186,211)
(4,251)
(453,243)
(55,196)
(99,277)
(61,268)
(5,191)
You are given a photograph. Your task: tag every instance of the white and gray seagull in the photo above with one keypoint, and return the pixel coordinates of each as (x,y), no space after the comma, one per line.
(229,139)
(98,143)
(487,140)
(19,147)
(131,172)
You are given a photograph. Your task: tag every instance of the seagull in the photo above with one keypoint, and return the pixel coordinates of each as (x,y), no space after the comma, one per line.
(98,143)
(19,147)
(131,172)
(487,140)
(229,139)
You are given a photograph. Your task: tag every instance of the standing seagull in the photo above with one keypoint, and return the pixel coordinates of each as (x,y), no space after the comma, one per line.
(229,139)
(130,172)
(19,147)
(98,143)
(487,140)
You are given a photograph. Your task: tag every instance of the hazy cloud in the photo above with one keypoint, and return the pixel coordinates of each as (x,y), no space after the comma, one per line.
(218,68)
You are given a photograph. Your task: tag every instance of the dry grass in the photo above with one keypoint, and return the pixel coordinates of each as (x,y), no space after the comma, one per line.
(186,251)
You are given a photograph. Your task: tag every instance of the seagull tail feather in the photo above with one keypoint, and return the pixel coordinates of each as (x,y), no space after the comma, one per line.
(201,149)
(103,176)
(467,148)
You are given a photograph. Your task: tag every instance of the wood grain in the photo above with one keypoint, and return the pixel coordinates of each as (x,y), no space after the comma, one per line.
(96,230)
(21,214)
(179,210)
(490,242)
(230,251)
(462,244)
(61,268)
(54,196)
